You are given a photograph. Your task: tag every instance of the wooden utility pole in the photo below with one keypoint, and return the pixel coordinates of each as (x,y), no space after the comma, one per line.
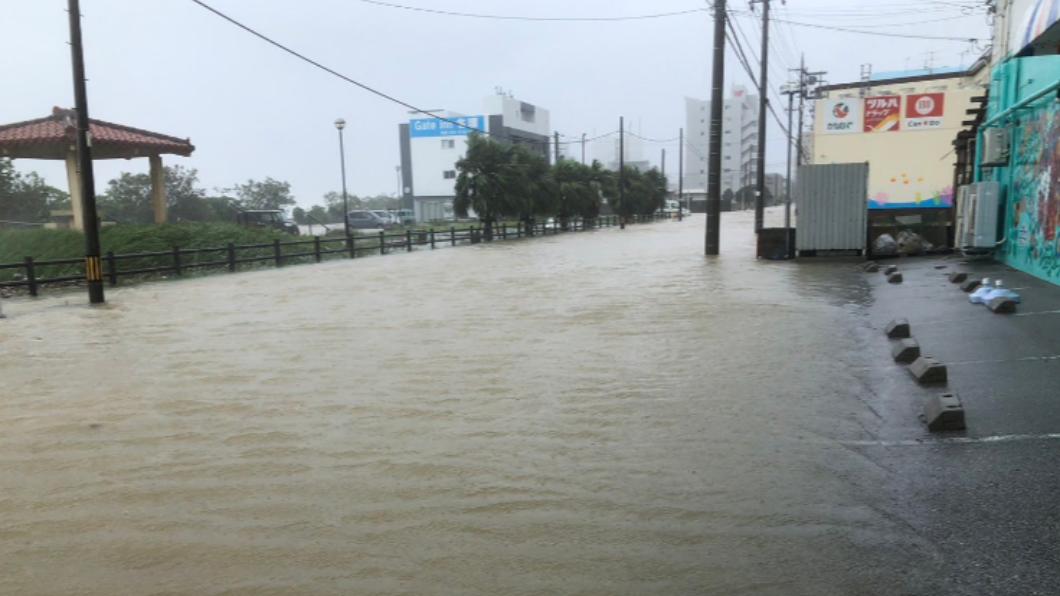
(93,265)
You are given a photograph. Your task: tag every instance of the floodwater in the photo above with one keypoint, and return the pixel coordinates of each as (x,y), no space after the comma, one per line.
(596,413)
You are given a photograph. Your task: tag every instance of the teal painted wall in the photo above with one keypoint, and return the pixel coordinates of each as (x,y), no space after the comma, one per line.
(1031,182)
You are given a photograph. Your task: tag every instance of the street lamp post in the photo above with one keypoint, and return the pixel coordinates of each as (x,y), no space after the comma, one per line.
(341,124)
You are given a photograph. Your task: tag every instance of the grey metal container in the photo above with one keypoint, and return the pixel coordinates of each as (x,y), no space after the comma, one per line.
(833,207)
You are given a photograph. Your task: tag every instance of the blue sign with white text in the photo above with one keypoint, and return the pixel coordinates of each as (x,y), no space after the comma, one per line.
(451,127)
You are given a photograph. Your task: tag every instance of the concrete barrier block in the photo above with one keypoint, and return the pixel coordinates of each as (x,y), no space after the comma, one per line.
(894,278)
(897,329)
(871,267)
(971,285)
(927,371)
(1002,306)
(889,269)
(944,412)
(905,350)
(958,276)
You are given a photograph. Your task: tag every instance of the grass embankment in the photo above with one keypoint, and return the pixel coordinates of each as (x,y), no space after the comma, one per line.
(43,245)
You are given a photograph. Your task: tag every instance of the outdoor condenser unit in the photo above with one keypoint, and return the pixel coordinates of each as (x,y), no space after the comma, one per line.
(977,217)
(995,147)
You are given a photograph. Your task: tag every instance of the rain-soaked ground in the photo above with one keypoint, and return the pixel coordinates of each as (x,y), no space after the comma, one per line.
(596,413)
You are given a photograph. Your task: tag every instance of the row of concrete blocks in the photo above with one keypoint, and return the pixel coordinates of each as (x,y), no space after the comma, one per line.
(891,271)
(942,412)
(997,305)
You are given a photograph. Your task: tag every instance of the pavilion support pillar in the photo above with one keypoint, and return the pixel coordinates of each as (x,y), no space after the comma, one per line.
(158,189)
(74,183)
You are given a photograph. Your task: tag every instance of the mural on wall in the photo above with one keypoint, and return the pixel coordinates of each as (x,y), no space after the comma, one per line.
(908,190)
(1033,203)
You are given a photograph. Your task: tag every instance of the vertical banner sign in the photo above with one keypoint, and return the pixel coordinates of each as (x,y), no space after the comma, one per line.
(842,116)
(924,110)
(883,114)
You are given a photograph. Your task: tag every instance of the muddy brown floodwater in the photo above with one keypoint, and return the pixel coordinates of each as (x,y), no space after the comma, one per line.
(595,413)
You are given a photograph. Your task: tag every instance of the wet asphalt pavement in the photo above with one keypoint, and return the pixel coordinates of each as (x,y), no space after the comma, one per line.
(986,502)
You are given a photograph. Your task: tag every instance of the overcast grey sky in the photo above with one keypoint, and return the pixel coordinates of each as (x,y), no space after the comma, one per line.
(253,111)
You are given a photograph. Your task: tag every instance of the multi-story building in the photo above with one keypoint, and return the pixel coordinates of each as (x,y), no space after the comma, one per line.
(430,148)
(739,143)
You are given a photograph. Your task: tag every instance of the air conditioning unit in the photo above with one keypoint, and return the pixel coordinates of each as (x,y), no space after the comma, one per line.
(978,208)
(996,143)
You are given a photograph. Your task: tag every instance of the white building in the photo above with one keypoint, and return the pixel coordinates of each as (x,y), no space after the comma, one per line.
(430,148)
(739,141)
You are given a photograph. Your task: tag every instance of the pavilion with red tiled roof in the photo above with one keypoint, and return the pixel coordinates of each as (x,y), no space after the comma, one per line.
(55,137)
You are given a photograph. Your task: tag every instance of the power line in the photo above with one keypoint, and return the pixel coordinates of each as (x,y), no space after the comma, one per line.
(474,15)
(357,83)
(876,33)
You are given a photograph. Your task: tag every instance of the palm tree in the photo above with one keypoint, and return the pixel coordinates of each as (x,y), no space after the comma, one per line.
(483,182)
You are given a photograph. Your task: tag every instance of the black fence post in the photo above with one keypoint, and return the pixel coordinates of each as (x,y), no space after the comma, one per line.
(452,235)
(382,242)
(31,276)
(432,238)
(176,261)
(504,231)
(277,255)
(112,268)
(232,257)
(352,245)
(408,240)
(316,248)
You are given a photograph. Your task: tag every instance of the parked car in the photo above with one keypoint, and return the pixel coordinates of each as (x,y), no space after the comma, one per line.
(385,216)
(267,218)
(367,220)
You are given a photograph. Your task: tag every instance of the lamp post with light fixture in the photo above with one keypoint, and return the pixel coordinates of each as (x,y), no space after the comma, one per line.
(341,124)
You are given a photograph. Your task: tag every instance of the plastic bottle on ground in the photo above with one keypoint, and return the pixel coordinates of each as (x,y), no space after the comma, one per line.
(976,297)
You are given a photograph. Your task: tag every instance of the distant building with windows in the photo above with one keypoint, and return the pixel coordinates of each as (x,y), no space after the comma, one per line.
(430,148)
(739,143)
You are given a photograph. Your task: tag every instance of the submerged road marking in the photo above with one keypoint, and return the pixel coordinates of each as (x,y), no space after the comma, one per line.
(953,440)
(1047,358)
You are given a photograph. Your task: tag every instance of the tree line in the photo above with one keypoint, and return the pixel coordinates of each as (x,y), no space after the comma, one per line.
(127,199)
(500,181)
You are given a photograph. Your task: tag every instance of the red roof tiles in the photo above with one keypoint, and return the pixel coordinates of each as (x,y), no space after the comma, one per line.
(54,136)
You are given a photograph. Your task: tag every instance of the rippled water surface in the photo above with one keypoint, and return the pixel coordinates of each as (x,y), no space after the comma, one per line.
(592,413)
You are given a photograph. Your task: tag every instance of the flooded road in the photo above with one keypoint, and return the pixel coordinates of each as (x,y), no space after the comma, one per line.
(596,413)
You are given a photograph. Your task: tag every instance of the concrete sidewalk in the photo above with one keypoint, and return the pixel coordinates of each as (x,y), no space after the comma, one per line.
(986,498)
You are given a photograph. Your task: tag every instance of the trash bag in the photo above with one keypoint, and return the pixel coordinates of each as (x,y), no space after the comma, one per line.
(885,245)
(911,243)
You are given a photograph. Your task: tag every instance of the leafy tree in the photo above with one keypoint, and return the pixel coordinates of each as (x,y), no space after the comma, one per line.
(485,182)
(264,194)
(128,198)
(318,214)
(26,197)
(299,216)
(576,193)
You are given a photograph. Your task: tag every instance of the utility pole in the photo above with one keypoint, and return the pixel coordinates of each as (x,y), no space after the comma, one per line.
(763,105)
(621,171)
(663,160)
(802,98)
(583,148)
(555,146)
(680,170)
(712,241)
(789,90)
(93,265)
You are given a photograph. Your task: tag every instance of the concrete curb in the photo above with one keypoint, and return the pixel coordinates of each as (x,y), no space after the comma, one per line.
(928,371)
(944,412)
(897,329)
(905,350)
